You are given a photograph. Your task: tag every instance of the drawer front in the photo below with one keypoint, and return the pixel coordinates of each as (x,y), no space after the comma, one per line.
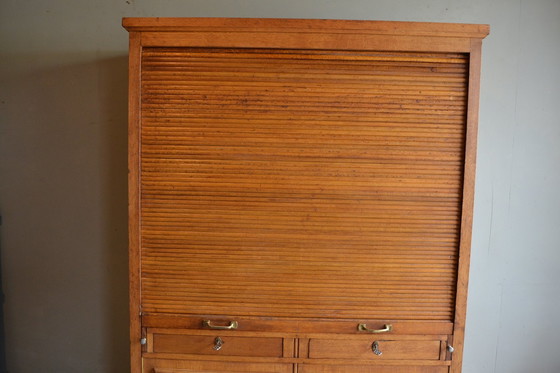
(374,349)
(217,345)
(195,366)
(370,369)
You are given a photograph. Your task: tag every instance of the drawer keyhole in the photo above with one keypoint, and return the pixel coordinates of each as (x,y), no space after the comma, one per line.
(218,343)
(375,348)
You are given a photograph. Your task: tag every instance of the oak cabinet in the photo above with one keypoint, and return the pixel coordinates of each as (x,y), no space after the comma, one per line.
(300,194)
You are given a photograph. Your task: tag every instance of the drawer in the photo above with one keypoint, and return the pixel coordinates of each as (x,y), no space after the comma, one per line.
(309,368)
(154,365)
(366,348)
(215,344)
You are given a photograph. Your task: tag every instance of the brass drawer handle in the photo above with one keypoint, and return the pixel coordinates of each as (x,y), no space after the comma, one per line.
(386,328)
(232,325)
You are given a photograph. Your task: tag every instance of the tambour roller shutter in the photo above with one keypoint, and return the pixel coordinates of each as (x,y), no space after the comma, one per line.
(300,183)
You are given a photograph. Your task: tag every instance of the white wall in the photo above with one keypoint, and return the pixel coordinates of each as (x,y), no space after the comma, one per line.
(63,175)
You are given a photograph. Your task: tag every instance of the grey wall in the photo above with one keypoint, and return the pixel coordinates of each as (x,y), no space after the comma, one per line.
(63,175)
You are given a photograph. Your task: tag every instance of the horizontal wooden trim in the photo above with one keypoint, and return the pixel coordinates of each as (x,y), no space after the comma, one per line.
(298,326)
(363,336)
(296,40)
(173,363)
(280,360)
(257,25)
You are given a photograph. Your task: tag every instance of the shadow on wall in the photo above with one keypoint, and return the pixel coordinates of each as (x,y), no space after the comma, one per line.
(64,204)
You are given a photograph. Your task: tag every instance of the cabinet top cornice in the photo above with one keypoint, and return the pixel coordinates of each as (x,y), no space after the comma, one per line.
(162,24)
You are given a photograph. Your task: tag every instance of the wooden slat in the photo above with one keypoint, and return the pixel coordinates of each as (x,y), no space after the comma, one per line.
(301,184)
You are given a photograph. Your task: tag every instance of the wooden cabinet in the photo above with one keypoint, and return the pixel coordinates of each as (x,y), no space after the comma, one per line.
(300,194)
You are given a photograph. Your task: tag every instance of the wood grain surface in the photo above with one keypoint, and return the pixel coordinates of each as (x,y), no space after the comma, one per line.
(294,183)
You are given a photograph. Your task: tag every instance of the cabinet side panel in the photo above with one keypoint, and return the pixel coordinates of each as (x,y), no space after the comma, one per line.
(467,208)
(134,198)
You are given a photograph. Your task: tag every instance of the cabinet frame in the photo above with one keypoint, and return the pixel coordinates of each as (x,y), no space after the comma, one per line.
(301,34)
